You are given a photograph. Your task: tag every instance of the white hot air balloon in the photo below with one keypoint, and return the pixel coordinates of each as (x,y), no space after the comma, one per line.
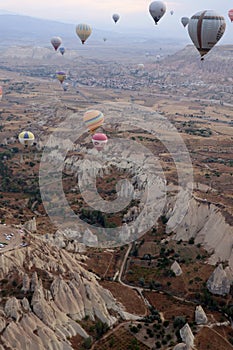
(205,29)
(56,42)
(157,9)
(184,21)
(140,66)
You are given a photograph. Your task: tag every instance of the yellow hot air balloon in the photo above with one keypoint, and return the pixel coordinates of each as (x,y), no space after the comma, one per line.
(61,76)
(93,119)
(83,31)
(26,138)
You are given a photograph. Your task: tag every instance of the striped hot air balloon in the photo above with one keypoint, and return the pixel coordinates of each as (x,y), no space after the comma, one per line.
(205,29)
(93,119)
(83,31)
(99,140)
(26,138)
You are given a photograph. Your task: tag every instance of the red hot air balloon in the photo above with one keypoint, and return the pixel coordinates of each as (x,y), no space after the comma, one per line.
(99,140)
(230,14)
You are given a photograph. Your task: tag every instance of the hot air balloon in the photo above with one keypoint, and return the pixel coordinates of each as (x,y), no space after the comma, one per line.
(115,17)
(0,93)
(157,9)
(56,42)
(62,50)
(205,29)
(171,12)
(230,14)
(26,138)
(99,140)
(104,39)
(83,31)
(184,21)
(93,119)
(140,66)
(61,76)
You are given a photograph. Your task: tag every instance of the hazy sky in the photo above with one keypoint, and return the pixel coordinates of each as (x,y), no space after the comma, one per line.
(134,13)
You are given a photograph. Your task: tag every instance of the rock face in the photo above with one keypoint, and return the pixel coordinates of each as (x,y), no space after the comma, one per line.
(180,346)
(187,336)
(31,225)
(219,283)
(176,268)
(89,238)
(204,222)
(58,292)
(200,315)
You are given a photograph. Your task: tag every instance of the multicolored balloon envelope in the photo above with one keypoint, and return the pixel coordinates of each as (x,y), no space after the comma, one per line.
(26,138)
(205,29)
(83,31)
(99,141)
(61,76)
(0,93)
(56,42)
(93,119)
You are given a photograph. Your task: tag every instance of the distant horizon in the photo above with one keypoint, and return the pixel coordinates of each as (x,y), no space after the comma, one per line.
(134,16)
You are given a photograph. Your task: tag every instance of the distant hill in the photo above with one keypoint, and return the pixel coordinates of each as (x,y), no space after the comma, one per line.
(26,30)
(20,30)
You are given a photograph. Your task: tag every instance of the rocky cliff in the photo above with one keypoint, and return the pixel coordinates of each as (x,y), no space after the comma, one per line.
(204,222)
(46,293)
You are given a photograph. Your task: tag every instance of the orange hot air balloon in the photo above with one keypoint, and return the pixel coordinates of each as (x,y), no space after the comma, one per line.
(99,140)
(230,14)
(0,93)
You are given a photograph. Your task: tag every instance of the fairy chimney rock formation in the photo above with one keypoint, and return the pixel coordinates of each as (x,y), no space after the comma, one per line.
(187,336)
(218,283)
(176,268)
(200,315)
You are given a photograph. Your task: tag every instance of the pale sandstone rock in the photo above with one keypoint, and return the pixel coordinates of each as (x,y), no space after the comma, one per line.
(180,346)
(31,225)
(34,281)
(25,304)
(200,315)
(26,283)
(187,336)
(207,225)
(176,268)
(218,283)
(13,308)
